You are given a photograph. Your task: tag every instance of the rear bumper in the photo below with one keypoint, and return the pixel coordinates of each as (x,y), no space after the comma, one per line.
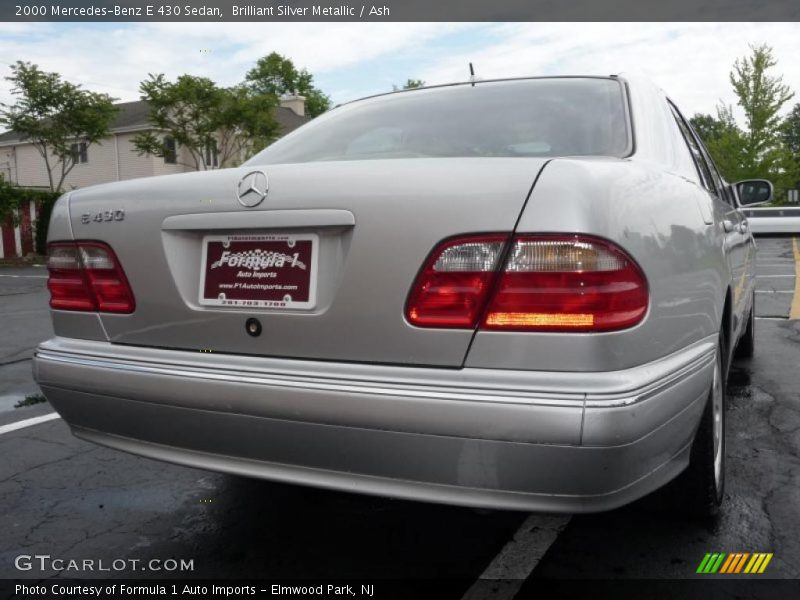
(567,442)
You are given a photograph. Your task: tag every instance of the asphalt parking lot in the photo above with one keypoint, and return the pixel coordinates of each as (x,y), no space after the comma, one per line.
(69,499)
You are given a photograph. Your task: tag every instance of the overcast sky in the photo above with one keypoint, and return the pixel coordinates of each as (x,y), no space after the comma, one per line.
(691,61)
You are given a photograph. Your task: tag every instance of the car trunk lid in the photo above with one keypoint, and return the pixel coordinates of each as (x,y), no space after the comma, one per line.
(369,224)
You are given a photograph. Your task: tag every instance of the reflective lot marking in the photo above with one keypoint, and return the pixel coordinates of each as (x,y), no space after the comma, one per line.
(28,423)
(512,565)
(794,312)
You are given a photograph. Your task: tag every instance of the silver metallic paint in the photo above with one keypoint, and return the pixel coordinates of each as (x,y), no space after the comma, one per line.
(361,425)
(402,208)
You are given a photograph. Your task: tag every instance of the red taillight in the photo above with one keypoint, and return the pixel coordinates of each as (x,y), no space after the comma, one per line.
(567,283)
(452,287)
(547,283)
(87,276)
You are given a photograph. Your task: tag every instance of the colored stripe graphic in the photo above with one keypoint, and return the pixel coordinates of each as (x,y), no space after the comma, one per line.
(733,563)
(716,565)
(741,562)
(732,559)
(703,563)
(711,563)
(749,567)
(758,563)
(765,563)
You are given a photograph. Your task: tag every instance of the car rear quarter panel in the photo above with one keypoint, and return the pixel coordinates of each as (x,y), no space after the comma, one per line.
(655,216)
(651,205)
(81,325)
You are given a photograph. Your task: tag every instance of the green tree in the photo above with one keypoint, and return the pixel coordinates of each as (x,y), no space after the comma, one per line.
(758,149)
(725,142)
(761,96)
(791,138)
(13,198)
(9,201)
(53,115)
(707,126)
(217,127)
(791,131)
(410,84)
(277,75)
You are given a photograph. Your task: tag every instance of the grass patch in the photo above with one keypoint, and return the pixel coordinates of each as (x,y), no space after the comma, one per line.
(30,400)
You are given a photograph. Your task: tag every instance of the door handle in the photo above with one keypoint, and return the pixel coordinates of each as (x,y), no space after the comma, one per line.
(727,225)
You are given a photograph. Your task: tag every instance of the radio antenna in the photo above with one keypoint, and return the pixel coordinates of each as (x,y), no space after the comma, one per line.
(472,74)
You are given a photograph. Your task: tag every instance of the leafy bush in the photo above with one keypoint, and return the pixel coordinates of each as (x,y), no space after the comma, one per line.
(44,208)
(13,198)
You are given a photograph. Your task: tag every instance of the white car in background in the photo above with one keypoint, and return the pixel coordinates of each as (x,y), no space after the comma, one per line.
(773,219)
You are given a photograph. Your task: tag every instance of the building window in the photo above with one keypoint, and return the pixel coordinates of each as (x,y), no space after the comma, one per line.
(170,151)
(80,153)
(211,154)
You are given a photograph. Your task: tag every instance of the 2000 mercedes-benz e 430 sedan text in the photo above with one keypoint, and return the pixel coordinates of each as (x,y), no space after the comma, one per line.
(517,294)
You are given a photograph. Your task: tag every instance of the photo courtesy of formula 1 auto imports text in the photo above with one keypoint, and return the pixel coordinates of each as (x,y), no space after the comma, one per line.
(457,300)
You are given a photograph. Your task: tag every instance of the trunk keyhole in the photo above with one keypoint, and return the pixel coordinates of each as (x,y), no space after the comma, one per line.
(253,327)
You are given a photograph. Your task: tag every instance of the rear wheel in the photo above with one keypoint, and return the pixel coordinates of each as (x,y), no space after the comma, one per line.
(704,480)
(747,343)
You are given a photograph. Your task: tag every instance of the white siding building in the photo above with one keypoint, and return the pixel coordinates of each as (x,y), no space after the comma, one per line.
(113,159)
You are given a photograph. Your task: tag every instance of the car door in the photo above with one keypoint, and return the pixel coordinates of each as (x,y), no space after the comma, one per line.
(730,219)
(743,251)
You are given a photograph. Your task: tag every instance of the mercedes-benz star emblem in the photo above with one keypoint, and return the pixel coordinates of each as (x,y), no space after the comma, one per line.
(252,189)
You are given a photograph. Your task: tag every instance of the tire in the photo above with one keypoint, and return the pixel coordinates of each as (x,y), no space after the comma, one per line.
(703,483)
(747,343)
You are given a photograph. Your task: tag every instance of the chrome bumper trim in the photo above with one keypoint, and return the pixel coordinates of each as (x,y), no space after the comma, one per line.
(528,388)
(321,384)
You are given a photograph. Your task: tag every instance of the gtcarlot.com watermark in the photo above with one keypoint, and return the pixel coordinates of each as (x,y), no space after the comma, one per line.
(45,562)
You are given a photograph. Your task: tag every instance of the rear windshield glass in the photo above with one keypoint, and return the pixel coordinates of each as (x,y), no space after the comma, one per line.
(535,117)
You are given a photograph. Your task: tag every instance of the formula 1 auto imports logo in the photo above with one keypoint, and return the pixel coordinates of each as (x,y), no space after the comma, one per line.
(734,563)
(258,259)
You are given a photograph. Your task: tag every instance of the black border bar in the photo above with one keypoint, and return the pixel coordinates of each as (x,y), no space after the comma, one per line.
(704,588)
(397,10)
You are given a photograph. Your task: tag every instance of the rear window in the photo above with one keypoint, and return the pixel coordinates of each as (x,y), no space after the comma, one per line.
(533,117)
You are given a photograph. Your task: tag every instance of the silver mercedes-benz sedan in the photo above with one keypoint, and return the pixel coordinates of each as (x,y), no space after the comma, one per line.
(519,294)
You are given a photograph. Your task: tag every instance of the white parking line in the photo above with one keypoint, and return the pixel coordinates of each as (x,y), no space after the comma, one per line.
(773,276)
(518,558)
(26,276)
(28,422)
(774,291)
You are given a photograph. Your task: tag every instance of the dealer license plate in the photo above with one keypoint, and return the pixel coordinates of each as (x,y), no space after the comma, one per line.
(259,270)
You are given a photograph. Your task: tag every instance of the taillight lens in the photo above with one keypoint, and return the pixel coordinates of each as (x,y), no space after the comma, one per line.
(67,283)
(86,276)
(452,287)
(547,283)
(567,283)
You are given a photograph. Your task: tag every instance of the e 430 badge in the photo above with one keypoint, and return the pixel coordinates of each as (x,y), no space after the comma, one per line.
(104,216)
